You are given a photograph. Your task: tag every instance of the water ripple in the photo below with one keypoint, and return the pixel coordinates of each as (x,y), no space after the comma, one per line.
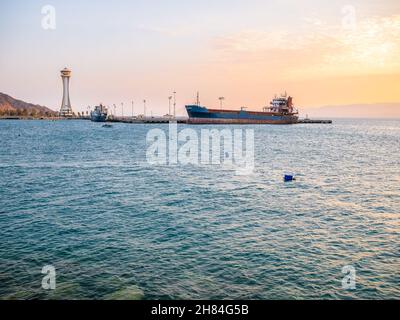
(83,199)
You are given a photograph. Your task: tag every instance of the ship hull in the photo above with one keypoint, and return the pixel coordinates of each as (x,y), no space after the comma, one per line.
(201,115)
(240,121)
(98,118)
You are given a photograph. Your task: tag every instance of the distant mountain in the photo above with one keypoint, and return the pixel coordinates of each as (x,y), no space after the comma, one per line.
(11,106)
(377,110)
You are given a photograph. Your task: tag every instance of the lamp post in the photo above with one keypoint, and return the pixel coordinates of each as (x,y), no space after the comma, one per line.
(174,105)
(115,110)
(221,99)
(144,108)
(122,105)
(132,108)
(169,105)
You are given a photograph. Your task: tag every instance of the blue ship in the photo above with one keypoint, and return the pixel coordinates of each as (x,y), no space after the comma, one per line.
(99,114)
(280,111)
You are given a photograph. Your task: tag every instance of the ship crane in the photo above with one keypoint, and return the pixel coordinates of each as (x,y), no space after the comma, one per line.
(198,99)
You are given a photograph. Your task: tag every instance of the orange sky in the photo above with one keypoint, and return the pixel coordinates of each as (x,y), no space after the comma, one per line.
(320,52)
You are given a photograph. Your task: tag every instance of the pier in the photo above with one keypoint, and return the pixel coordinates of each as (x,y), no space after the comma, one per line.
(314,121)
(146,120)
(155,120)
(140,120)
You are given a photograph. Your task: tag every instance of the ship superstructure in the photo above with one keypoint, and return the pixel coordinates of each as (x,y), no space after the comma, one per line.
(99,114)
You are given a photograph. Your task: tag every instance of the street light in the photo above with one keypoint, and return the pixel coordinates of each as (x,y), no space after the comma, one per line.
(144,108)
(174,104)
(122,105)
(169,105)
(221,99)
(132,108)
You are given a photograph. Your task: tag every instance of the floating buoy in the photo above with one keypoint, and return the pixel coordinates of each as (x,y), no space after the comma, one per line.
(288,178)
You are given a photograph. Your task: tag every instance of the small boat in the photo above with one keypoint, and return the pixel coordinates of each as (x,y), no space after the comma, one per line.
(107,126)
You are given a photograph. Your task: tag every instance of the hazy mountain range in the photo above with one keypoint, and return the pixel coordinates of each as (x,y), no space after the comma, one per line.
(376,110)
(9,104)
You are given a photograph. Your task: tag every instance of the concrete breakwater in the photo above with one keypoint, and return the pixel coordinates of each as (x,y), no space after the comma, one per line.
(146,120)
(139,120)
(314,121)
(185,120)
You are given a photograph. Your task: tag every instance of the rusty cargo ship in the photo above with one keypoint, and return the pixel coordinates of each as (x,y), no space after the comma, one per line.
(280,111)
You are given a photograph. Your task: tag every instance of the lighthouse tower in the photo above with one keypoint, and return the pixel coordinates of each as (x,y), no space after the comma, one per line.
(66,109)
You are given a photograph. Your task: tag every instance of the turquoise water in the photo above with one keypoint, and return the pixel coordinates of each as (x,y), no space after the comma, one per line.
(83,199)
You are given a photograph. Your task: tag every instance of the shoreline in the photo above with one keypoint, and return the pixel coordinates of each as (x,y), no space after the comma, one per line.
(42,118)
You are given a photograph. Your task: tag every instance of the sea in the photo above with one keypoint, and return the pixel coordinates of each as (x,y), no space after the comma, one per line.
(82,201)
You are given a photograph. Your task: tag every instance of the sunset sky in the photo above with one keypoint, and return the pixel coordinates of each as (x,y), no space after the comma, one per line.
(321,52)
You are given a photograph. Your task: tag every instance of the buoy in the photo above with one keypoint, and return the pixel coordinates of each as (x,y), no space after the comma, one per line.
(288,178)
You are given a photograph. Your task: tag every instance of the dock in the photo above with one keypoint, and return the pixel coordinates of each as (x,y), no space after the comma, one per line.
(160,120)
(148,120)
(140,120)
(315,121)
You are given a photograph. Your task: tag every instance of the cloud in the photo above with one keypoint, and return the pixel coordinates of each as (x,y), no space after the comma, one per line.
(372,46)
